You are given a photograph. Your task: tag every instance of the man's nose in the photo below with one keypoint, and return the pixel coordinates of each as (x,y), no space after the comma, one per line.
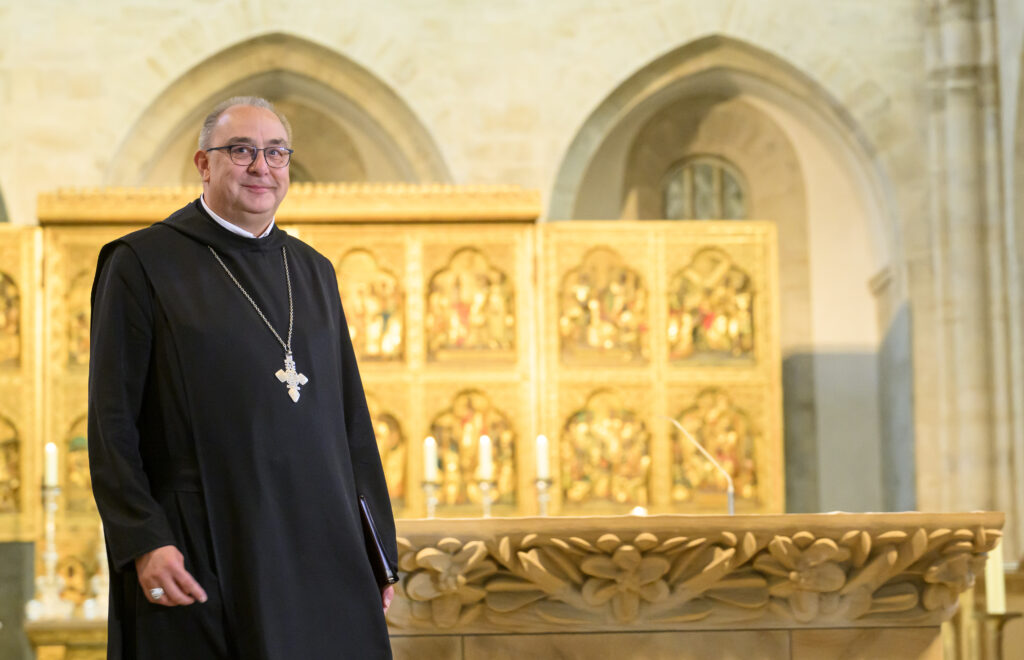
(259,164)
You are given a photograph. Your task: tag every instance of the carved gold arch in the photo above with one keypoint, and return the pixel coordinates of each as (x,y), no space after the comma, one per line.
(605,453)
(457,430)
(711,310)
(603,310)
(374,306)
(470,308)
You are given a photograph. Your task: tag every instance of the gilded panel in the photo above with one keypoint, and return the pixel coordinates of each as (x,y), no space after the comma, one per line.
(372,266)
(605,446)
(375,308)
(603,310)
(470,306)
(10,322)
(711,310)
(20,405)
(10,468)
(393,445)
(722,297)
(458,428)
(457,411)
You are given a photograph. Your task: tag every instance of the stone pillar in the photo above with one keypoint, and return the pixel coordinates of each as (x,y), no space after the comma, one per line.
(963,431)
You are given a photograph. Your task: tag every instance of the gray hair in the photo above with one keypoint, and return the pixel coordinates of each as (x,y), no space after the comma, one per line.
(255,101)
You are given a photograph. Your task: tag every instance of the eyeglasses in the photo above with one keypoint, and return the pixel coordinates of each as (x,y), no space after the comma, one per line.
(245,154)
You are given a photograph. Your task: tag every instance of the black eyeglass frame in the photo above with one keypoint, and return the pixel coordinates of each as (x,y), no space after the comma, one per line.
(255,151)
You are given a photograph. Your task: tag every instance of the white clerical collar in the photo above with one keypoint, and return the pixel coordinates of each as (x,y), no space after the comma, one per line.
(234,229)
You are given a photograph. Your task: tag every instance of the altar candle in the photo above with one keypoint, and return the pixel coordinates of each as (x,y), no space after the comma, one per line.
(543,466)
(430,460)
(485,471)
(995,584)
(50,472)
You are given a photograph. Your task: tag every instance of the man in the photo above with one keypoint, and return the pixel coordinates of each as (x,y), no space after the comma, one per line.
(229,437)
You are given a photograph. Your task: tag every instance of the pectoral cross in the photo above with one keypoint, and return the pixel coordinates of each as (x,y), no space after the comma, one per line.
(290,377)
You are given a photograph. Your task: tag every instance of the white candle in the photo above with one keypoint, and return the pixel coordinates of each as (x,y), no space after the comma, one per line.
(430,460)
(543,466)
(995,584)
(485,470)
(50,473)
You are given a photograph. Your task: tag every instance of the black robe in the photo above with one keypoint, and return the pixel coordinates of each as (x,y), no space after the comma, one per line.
(193,441)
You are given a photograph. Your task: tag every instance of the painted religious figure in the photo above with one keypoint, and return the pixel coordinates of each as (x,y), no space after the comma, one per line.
(393,450)
(605,453)
(470,309)
(457,431)
(603,310)
(10,322)
(726,432)
(374,307)
(710,310)
(79,314)
(10,468)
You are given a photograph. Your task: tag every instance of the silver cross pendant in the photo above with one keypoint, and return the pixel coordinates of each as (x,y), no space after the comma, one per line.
(291,378)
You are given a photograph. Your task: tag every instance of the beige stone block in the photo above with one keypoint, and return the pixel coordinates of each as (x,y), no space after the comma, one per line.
(867,644)
(426,647)
(698,645)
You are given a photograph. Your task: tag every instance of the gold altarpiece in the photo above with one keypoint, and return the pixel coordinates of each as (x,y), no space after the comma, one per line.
(471,318)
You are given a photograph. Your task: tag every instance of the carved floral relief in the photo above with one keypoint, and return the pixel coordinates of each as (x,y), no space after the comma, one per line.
(605,453)
(603,310)
(711,310)
(646,579)
(457,431)
(374,307)
(470,307)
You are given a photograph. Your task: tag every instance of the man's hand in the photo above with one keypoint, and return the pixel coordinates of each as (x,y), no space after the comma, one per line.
(387,596)
(165,568)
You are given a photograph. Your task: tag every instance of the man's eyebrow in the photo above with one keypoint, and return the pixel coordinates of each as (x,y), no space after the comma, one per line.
(249,140)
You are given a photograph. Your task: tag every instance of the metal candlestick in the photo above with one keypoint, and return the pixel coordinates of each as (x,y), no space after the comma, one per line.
(543,496)
(430,491)
(485,495)
(48,604)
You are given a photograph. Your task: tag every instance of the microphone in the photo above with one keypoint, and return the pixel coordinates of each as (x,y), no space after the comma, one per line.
(730,491)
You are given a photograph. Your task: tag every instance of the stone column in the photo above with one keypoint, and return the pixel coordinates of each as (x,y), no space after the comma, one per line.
(960,448)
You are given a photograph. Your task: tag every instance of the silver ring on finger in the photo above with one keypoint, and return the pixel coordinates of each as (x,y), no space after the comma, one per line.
(156,593)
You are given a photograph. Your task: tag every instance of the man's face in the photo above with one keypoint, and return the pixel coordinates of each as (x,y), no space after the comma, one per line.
(244,195)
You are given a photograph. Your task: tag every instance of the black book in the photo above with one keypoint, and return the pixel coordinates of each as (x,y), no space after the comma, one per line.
(383,571)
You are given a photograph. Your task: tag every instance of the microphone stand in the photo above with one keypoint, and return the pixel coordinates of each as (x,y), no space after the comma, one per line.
(730,491)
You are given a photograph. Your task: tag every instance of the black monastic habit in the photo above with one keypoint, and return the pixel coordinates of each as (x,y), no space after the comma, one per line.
(194,442)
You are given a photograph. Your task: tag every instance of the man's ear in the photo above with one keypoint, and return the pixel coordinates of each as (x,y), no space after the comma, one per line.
(202,161)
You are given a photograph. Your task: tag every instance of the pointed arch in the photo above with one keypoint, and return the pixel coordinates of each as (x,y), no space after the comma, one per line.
(349,124)
(722,67)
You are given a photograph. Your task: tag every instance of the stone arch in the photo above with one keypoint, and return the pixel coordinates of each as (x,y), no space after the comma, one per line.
(348,124)
(833,205)
(724,68)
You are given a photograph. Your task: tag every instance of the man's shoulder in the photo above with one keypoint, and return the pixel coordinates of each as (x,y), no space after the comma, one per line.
(157,232)
(304,250)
